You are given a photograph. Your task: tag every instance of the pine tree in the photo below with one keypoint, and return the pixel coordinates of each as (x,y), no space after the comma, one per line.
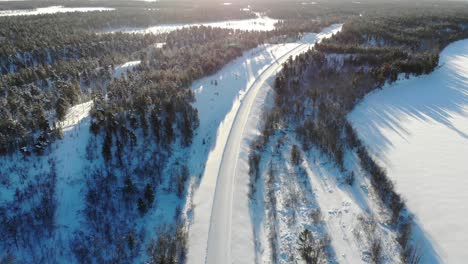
(141,206)
(156,125)
(169,131)
(149,194)
(61,108)
(295,155)
(129,188)
(310,249)
(187,131)
(131,241)
(106,147)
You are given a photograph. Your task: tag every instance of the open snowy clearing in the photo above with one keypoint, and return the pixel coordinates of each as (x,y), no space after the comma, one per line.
(69,154)
(51,10)
(255,24)
(75,115)
(224,181)
(418,129)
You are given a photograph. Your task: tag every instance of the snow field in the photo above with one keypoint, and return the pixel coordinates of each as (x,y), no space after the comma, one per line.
(418,129)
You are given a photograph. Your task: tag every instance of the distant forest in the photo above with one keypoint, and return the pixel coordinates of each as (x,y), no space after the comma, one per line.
(49,63)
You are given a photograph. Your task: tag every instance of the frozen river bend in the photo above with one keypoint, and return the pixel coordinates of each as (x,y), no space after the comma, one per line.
(418,130)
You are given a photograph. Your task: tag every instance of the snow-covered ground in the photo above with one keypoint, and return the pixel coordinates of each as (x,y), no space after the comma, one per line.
(221,229)
(124,68)
(51,10)
(418,129)
(68,155)
(313,196)
(75,115)
(257,24)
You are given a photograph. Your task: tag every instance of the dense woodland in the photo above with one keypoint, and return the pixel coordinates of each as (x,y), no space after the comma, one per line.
(51,62)
(316,90)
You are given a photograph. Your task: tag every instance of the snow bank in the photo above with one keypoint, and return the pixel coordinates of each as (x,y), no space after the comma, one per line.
(51,10)
(418,129)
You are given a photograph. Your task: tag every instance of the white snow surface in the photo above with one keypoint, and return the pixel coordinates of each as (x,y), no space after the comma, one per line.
(256,24)
(418,129)
(75,115)
(51,10)
(69,154)
(316,185)
(221,230)
(123,68)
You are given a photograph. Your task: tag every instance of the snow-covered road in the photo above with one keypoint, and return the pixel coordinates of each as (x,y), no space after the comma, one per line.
(220,239)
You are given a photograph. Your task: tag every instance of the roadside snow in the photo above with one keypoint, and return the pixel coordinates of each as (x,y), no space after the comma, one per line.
(221,231)
(418,129)
(51,10)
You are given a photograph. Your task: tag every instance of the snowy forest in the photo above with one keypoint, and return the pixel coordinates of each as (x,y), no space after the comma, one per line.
(313,95)
(95,155)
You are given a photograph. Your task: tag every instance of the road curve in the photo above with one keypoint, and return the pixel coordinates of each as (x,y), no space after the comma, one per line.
(219,236)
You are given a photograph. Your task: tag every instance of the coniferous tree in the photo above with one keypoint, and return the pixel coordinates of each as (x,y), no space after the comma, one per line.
(149,194)
(141,206)
(310,249)
(187,130)
(169,131)
(156,125)
(107,147)
(295,155)
(128,189)
(61,108)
